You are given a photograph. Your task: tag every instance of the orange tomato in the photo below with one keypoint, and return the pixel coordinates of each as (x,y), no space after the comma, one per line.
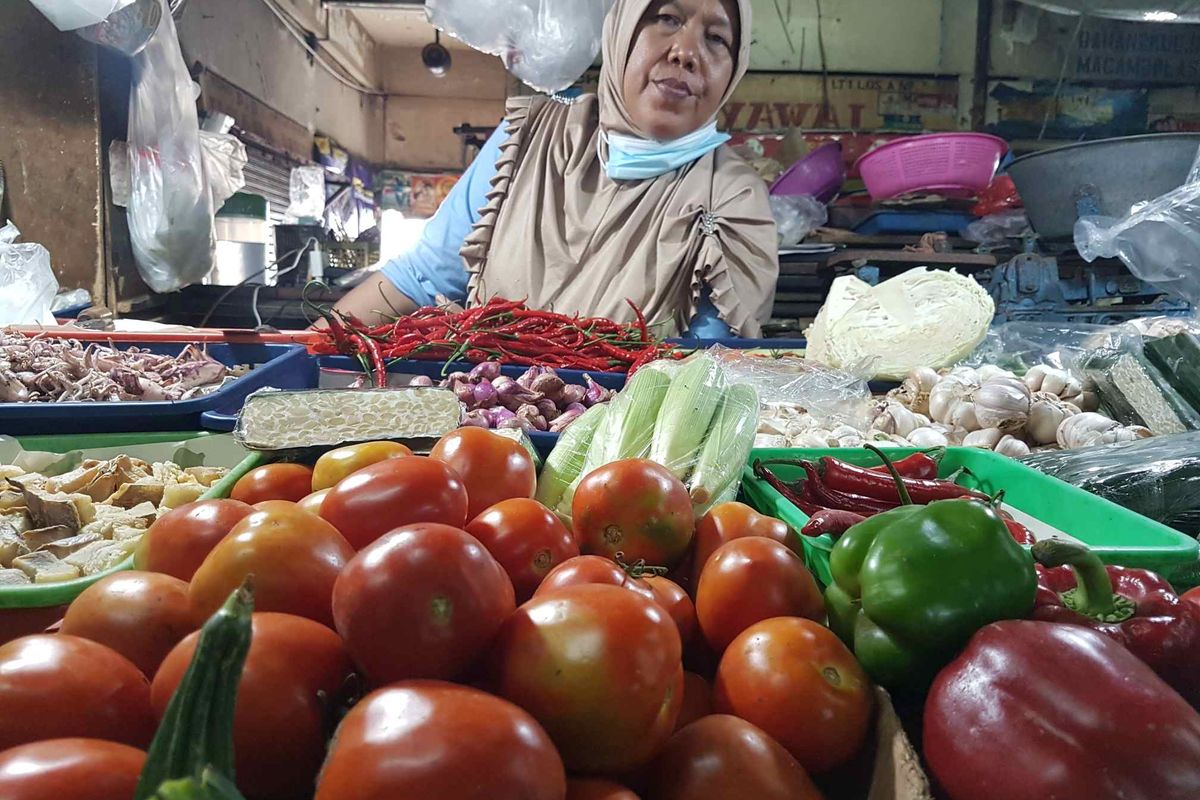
(312,503)
(748,580)
(728,521)
(795,679)
(282,481)
(336,464)
(294,556)
(141,615)
(493,467)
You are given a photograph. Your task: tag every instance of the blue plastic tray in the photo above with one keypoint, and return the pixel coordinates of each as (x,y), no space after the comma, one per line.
(283,366)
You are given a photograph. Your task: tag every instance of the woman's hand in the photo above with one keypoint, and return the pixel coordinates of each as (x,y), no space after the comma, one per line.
(374,301)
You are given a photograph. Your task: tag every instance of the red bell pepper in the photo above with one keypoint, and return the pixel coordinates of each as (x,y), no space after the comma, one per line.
(1132,606)
(1032,710)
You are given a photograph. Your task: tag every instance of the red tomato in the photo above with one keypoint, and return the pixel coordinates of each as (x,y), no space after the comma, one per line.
(70,769)
(796,680)
(178,541)
(526,538)
(1192,596)
(312,503)
(141,615)
(493,467)
(636,508)
(392,493)
(430,739)
(726,757)
(583,570)
(697,700)
(599,667)
(749,580)
(422,602)
(728,521)
(280,481)
(597,789)
(294,668)
(54,686)
(294,557)
(675,600)
(342,462)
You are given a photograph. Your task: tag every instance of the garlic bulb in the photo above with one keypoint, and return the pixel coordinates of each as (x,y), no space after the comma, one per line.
(1072,390)
(1055,381)
(914,392)
(962,415)
(1124,433)
(770,440)
(894,417)
(989,371)
(928,437)
(1002,403)
(818,439)
(1082,430)
(1012,447)
(1034,377)
(951,389)
(987,438)
(1046,413)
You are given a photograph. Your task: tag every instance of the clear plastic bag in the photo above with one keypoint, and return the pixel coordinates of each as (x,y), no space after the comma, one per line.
(831,396)
(1018,346)
(170,205)
(224,165)
(1159,478)
(28,281)
(548,44)
(1159,240)
(796,216)
(691,417)
(306,194)
(69,15)
(995,230)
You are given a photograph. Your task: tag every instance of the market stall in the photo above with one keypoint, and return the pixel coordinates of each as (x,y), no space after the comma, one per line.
(850,454)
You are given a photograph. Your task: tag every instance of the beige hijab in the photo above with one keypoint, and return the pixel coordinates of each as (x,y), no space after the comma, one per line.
(559,232)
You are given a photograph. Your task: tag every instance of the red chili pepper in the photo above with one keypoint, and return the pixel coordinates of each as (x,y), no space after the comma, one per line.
(821,493)
(798,500)
(835,522)
(845,477)
(378,367)
(1019,532)
(918,465)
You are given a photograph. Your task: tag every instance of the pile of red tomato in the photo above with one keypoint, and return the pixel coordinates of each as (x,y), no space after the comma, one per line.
(449,630)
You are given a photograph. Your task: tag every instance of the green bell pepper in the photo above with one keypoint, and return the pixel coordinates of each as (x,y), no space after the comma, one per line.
(911,585)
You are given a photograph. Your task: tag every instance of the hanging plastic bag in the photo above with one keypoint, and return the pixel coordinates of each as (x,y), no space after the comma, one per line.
(170,207)
(1159,241)
(306,195)
(29,283)
(548,44)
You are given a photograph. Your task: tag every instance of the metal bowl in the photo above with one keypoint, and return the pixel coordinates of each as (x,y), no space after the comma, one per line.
(1105,177)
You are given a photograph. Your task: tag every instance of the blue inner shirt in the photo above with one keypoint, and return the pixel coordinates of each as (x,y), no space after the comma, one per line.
(433,266)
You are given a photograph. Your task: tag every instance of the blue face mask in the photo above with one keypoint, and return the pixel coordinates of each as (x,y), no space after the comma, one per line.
(631,158)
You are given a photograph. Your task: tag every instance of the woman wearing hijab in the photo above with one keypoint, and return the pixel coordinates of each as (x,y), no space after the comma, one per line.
(629,193)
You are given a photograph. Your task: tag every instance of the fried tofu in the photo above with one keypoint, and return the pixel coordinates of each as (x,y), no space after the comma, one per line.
(14,577)
(52,509)
(38,537)
(64,547)
(132,494)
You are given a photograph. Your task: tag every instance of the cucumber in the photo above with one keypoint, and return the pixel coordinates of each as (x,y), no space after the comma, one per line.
(195,739)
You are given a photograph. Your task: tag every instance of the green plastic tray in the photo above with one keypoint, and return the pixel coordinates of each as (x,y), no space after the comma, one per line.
(1116,534)
(57,594)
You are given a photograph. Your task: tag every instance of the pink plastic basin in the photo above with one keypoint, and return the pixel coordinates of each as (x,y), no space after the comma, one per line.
(953,164)
(820,174)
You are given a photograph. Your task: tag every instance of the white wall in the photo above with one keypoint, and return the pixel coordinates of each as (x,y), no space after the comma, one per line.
(243,42)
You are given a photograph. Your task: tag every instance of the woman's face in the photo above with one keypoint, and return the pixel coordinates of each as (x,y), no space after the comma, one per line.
(680,65)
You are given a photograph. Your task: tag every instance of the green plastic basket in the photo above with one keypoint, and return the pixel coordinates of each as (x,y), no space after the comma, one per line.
(58,594)
(1116,534)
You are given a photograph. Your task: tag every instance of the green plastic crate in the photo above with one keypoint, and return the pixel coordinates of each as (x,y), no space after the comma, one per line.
(1116,534)
(56,594)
